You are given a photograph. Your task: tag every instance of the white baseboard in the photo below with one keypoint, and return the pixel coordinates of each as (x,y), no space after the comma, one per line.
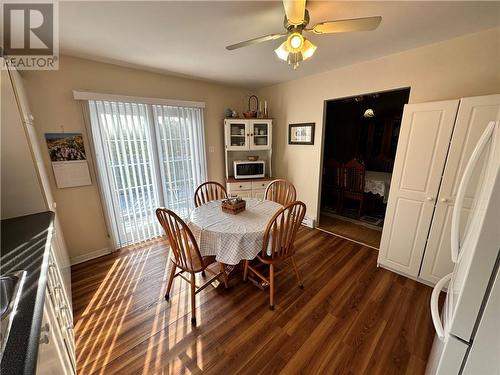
(94,254)
(309,222)
(418,279)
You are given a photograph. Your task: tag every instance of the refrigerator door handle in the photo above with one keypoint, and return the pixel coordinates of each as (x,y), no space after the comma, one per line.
(459,201)
(436,319)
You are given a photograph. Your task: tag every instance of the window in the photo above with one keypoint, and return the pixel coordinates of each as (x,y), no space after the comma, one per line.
(147,156)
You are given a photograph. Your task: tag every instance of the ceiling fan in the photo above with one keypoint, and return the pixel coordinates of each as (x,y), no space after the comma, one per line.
(297,48)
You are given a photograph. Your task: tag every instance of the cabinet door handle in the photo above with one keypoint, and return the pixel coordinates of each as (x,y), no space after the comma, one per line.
(444,200)
(430,199)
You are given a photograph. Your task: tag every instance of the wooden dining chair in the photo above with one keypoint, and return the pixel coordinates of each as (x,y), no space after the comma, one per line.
(209,191)
(353,186)
(333,182)
(278,244)
(280,191)
(186,256)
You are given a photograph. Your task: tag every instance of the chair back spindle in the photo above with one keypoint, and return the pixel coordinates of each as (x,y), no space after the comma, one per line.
(280,191)
(209,191)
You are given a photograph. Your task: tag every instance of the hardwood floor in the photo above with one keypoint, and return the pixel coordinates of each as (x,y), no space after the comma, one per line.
(351,317)
(368,236)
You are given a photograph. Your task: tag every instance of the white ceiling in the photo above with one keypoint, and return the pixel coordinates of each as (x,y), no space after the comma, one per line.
(188,38)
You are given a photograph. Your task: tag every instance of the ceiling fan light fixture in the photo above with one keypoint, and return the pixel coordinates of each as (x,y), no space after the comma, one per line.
(295,41)
(282,52)
(287,51)
(369,113)
(308,49)
(296,48)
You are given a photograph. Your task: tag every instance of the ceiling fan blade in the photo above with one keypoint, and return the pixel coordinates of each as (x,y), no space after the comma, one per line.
(295,10)
(342,26)
(260,39)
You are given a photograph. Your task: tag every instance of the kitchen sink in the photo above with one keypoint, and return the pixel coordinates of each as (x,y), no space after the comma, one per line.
(7,286)
(10,292)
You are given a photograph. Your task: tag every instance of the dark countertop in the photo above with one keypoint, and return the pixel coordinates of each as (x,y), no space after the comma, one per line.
(25,245)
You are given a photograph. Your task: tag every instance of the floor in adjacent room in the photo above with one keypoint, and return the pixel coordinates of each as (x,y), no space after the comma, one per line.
(351,317)
(351,230)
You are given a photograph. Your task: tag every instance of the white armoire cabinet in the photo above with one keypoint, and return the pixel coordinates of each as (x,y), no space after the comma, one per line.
(435,143)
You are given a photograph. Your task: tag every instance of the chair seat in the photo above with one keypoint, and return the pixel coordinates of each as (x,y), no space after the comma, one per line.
(267,259)
(197,265)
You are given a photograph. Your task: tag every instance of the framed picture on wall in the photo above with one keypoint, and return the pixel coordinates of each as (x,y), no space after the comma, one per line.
(301,134)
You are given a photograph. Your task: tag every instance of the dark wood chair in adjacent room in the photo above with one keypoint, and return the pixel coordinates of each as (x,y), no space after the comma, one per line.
(332,184)
(353,183)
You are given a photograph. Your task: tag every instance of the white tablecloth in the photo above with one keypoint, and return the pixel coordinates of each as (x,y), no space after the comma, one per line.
(378,183)
(231,238)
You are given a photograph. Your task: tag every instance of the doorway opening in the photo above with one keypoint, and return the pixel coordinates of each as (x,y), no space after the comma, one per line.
(360,139)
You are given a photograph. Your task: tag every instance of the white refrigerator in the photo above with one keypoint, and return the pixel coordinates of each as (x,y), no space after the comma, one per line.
(468,329)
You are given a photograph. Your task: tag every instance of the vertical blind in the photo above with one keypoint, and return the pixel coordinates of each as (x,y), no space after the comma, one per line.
(147,156)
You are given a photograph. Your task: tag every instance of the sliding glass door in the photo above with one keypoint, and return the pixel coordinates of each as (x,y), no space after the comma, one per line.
(181,148)
(147,156)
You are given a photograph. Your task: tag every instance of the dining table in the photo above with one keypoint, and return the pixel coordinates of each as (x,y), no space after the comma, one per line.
(231,237)
(378,183)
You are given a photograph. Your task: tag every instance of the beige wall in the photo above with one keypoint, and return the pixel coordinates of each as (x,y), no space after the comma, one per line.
(51,101)
(465,66)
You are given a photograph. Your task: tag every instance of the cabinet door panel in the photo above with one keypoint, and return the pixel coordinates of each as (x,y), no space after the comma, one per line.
(473,116)
(62,258)
(32,136)
(52,355)
(260,185)
(421,154)
(237,135)
(22,98)
(237,186)
(260,135)
(20,194)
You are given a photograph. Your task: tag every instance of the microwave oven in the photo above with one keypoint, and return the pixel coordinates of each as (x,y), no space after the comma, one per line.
(249,169)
